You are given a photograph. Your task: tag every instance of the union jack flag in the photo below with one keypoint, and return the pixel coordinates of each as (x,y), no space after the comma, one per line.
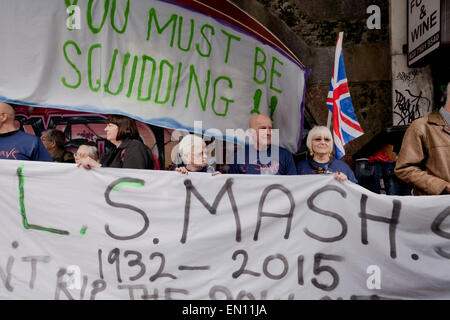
(345,124)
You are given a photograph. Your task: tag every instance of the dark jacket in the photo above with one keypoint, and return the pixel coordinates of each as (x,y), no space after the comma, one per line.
(131,154)
(275,160)
(61,155)
(310,166)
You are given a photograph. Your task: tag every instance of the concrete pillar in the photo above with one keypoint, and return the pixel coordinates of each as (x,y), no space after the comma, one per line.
(412,88)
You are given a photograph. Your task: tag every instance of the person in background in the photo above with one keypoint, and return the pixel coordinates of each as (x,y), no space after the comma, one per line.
(85,151)
(54,141)
(320,160)
(260,127)
(192,151)
(424,158)
(16,144)
(129,151)
(383,164)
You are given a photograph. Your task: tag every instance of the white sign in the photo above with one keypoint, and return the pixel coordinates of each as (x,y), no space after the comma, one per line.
(70,233)
(153,60)
(424,28)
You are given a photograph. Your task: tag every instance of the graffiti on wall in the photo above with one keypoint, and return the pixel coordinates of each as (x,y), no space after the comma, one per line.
(407,78)
(78,127)
(409,107)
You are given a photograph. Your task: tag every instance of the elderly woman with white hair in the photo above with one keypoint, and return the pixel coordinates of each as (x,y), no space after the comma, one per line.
(320,159)
(192,151)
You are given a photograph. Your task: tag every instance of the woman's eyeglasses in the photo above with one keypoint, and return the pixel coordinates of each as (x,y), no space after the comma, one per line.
(80,155)
(318,139)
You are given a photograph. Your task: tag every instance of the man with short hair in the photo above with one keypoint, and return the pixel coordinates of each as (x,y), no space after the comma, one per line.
(16,144)
(263,157)
(424,159)
(54,141)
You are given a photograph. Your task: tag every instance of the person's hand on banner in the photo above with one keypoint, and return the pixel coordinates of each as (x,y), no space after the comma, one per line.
(89,163)
(182,170)
(340,176)
(447,189)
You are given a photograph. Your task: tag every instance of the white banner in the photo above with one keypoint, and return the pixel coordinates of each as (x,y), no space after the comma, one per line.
(131,234)
(156,61)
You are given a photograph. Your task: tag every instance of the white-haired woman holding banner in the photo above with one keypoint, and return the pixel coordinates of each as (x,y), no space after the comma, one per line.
(192,151)
(320,159)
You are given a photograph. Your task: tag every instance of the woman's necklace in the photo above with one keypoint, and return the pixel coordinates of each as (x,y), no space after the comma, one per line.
(320,169)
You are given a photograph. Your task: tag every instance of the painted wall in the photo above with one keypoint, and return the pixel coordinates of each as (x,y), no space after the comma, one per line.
(412,88)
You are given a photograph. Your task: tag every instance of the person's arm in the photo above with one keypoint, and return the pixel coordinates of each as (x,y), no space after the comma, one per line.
(349,173)
(408,167)
(351,177)
(290,168)
(40,153)
(234,169)
(287,164)
(135,156)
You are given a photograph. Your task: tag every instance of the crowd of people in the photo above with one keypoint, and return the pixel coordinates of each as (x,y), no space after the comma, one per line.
(424,159)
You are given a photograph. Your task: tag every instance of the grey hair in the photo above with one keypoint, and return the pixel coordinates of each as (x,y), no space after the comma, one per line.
(91,150)
(189,143)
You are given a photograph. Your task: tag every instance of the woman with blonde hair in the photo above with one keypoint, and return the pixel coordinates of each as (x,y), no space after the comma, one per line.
(320,159)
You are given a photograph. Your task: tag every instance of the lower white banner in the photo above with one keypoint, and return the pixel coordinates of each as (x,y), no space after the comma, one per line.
(70,233)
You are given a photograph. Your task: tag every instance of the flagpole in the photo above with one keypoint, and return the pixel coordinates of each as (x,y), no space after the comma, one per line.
(330,115)
(345,123)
